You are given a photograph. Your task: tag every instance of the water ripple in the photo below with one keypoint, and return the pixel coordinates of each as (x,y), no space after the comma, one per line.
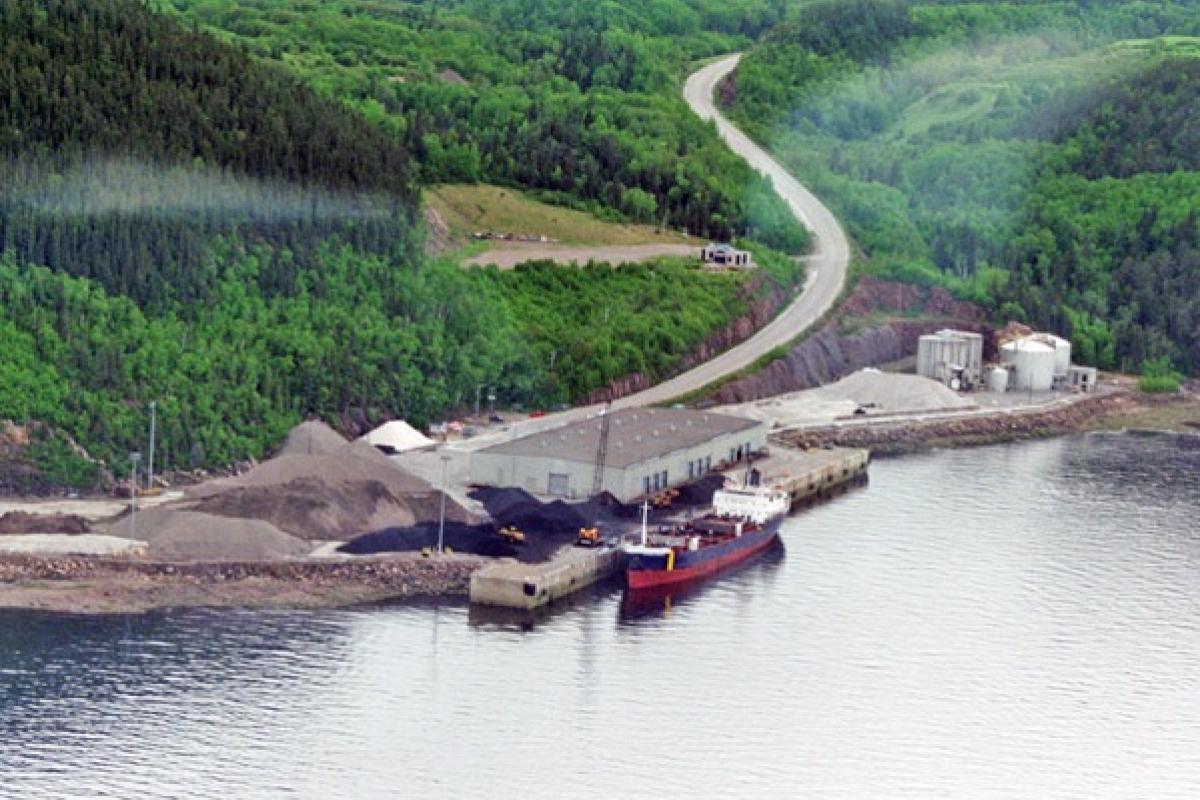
(1007,622)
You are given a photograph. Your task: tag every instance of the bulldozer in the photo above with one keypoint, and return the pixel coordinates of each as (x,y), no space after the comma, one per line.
(589,537)
(511,535)
(665,499)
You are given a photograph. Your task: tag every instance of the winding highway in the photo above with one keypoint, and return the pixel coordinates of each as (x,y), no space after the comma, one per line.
(826,265)
(826,276)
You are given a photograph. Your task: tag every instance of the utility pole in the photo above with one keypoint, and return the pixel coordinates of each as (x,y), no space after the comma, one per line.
(442,515)
(134,458)
(150,458)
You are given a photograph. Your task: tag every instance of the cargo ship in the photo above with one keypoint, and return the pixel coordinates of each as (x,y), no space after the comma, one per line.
(742,522)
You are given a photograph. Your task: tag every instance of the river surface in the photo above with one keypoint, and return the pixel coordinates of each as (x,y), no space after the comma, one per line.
(1020,621)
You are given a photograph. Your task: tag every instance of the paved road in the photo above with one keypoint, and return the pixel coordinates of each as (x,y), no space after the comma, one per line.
(826,266)
(826,275)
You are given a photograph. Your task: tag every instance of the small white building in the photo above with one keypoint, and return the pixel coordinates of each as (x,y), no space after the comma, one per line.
(649,449)
(726,255)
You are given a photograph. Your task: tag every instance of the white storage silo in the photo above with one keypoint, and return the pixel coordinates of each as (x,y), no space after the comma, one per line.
(1062,355)
(1033,364)
(998,380)
(947,354)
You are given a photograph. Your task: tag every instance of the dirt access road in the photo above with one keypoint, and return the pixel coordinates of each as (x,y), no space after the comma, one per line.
(826,276)
(509,254)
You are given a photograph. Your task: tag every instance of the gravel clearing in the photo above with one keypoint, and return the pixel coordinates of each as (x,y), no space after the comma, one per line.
(508,255)
(181,535)
(878,393)
(61,544)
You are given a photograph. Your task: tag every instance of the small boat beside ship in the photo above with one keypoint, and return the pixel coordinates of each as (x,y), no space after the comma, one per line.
(743,521)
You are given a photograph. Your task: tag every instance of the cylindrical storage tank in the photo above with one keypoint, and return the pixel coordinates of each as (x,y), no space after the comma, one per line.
(998,380)
(1062,355)
(1034,365)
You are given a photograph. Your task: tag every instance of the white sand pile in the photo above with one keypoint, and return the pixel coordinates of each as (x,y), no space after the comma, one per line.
(397,436)
(878,393)
(180,535)
(311,438)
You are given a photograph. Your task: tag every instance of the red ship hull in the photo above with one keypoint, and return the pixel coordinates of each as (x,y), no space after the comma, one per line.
(654,578)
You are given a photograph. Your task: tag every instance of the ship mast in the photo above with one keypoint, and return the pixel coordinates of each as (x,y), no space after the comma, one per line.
(645,516)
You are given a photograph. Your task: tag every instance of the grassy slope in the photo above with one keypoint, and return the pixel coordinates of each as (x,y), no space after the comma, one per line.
(469,208)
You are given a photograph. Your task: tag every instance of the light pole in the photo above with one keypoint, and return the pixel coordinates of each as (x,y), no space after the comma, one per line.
(134,458)
(150,458)
(442,515)
(478,389)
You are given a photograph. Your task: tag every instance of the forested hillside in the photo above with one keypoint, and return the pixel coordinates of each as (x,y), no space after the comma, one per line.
(186,223)
(578,100)
(127,142)
(1039,157)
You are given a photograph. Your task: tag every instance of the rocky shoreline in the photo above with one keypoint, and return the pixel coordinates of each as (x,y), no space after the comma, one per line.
(86,585)
(100,585)
(1114,410)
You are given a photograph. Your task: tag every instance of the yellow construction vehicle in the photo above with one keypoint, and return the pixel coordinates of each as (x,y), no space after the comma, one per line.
(589,537)
(665,499)
(511,535)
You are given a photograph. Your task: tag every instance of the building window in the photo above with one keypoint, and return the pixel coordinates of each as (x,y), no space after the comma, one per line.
(560,484)
(665,484)
(646,485)
(708,463)
(691,470)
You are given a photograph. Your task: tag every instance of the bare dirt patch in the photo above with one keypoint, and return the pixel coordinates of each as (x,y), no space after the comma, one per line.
(507,255)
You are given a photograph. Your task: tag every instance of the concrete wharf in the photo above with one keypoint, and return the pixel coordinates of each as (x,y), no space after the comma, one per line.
(804,473)
(513,584)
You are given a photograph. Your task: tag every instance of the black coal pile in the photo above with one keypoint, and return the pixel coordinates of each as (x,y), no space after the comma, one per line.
(481,540)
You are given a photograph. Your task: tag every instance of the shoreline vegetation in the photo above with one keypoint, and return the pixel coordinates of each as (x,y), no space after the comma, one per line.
(94,585)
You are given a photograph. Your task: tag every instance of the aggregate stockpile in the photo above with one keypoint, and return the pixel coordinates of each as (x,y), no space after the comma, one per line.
(547,527)
(318,488)
(872,391)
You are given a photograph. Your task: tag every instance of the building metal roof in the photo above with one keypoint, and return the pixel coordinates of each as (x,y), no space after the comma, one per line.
(635,435)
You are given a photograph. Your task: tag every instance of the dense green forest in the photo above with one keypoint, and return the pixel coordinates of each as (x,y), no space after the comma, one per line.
(1039,157)
(187,223)
(577,100)
(214,205)
(127,142)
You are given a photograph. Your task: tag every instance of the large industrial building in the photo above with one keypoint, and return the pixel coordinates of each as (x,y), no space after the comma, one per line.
(648,450)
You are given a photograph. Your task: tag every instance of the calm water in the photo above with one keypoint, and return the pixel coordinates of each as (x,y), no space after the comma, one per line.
(1019,621)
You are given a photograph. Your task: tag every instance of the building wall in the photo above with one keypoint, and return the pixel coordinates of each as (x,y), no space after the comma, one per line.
(532,473)
(676,464)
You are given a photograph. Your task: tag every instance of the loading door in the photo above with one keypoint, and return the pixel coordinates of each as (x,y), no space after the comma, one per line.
(560,484)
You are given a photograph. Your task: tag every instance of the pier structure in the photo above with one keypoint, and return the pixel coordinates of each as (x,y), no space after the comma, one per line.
(803,473)
(513,584)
